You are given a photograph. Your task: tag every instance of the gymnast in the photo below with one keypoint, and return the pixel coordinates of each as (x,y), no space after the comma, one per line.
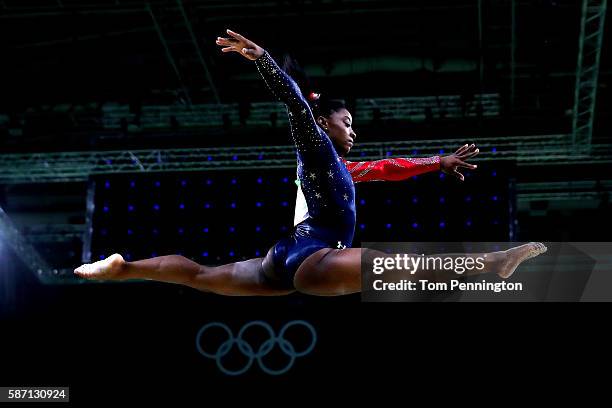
(316,257)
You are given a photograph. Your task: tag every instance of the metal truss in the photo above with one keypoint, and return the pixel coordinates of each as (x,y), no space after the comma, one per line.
(587,71)
(582,194)
(78,166)
(11,236)
(172,16)
(51,233)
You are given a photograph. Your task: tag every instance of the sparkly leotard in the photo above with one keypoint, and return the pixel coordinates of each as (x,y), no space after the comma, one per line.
(326,182)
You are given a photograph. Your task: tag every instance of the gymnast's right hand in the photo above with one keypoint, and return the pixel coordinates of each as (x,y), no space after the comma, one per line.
(237,43)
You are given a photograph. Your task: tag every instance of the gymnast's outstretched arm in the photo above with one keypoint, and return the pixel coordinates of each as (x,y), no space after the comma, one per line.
(399,168)
(284,88)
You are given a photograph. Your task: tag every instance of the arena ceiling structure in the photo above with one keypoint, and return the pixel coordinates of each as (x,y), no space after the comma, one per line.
(70,55)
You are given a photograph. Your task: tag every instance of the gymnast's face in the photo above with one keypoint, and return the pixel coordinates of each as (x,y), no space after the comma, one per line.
(339,128)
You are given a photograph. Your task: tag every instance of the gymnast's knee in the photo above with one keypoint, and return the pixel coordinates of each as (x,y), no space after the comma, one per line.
(304,283)
(311,279)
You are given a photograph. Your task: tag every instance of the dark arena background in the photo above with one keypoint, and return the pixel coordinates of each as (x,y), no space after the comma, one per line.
(124,129)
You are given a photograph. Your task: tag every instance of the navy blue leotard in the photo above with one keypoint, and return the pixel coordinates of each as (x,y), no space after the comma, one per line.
(325,181)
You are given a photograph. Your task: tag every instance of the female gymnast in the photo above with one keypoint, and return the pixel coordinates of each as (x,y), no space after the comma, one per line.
(316,257)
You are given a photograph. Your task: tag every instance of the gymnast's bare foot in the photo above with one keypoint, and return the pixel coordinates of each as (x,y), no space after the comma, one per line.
(110,268)
(515,256)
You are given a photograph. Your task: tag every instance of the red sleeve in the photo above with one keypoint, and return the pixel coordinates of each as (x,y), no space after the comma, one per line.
(395,169)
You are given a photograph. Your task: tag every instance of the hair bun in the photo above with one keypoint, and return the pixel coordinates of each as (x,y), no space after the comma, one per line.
(313,96)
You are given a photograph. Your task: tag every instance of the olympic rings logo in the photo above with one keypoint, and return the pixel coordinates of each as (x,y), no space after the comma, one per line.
(264,349)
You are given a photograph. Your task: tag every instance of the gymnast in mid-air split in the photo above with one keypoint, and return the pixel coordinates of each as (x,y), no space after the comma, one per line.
(316,256)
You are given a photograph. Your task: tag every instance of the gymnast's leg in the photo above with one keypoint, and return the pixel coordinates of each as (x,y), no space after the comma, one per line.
(239,278)
(331,272)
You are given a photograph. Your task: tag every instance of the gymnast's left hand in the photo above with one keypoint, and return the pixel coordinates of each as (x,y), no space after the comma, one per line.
(243,46)
(451,163)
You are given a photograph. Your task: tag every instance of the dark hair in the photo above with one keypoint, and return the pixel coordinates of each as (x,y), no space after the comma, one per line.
(325,107)
(320,104)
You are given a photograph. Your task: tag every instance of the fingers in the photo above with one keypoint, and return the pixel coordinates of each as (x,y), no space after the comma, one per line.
(236,35)
(466,148)
(225,41)
(470,151)
(469,155)
(463,153)
(239,44)
(461,150)
(463,164)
